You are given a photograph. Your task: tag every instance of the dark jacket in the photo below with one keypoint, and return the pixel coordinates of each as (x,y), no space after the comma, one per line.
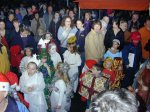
(110,36)
(136,50)
(81,35)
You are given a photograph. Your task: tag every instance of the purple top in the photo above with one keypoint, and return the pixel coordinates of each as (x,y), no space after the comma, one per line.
(25,40)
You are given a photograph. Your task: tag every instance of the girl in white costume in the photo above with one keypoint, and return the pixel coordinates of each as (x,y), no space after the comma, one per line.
(24,61)
(58,97)
(32,85)
(55,56)
(72,58)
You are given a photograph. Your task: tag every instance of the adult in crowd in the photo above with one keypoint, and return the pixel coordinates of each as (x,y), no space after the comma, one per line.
(94,43)
(48,16)
(87,21)
(134,21)
(37,23)
(9,22)
(54,25)
(18,15)
(145,35)
(114,33)
(81,35)
(28,17)
(66,30)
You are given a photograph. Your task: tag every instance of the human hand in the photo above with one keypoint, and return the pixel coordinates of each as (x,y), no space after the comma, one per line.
(58,106)
(30,89)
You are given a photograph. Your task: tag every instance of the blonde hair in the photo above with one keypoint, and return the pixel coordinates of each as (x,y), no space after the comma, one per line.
(107,60)
(63,76)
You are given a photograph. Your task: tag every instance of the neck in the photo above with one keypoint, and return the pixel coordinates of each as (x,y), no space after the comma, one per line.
(81,29)
(17,29)
(3,105)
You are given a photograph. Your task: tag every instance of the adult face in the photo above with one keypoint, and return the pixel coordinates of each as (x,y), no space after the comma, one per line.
(115,25)
(16,24)
(79,25)
(123,26)
(50,9)
(56,15)
(87,16)
(147,24)
(37,16)
(67,22)
(11,17)
(2,25)
(135,17)
(71,14)
(97,28)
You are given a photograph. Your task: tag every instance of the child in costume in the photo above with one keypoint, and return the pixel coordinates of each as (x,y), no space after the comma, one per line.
(108,69)
(15,56)
(47,68)
(55,56)
(25,59)
(132,56)
(88,65)
(32,85)
(58,96)
(4,61)
(8,104)
(113,51)
(72,58)
(93,82)
(118,69)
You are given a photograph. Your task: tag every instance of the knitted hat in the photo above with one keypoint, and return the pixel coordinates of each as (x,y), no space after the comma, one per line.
(4,83)
(116,40)
(13,80)
(72,40)
(90,63)
(136,36)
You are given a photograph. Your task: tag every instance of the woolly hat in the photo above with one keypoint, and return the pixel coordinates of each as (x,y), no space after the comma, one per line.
(136,36)
(90,63)
(116,40)
(4,83)
(72,40)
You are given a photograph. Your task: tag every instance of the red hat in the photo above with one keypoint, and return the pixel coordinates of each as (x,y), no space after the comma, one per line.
(12,78)
(136,36)
(4,83)
(90,63)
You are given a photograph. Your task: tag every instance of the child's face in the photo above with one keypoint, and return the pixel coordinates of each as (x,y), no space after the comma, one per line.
(31,69)
(115,45)
(108,65)
(43,60)
(28,52)
(48,37)
(53,50)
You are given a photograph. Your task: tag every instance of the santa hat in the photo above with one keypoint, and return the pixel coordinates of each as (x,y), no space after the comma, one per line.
(90,63)
(4,83)
(13,80)
(136,36)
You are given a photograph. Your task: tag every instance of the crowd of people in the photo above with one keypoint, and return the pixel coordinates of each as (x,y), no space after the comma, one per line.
(48,56)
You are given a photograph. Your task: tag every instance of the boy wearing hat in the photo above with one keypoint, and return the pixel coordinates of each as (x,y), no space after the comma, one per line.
(132,56)
(7,103)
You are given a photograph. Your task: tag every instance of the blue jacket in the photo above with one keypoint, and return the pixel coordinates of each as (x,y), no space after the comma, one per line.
(137,50)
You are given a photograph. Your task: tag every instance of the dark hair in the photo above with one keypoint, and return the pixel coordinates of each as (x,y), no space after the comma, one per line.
(64,19)
(96,22)
(74,47)
(116,20)
(15,20)
(80,21)
(147,18)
